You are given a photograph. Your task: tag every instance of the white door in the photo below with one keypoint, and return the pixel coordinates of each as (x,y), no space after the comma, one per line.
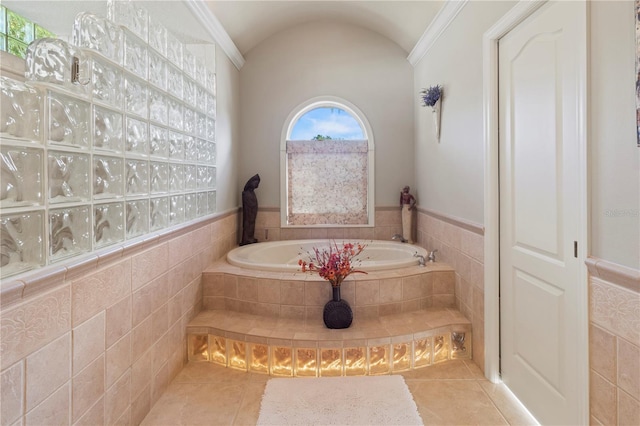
(539,69)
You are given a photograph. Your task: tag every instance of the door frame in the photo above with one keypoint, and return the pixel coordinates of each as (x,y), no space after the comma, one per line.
(509,21)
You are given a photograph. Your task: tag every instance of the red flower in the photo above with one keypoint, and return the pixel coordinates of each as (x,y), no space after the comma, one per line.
(333,264)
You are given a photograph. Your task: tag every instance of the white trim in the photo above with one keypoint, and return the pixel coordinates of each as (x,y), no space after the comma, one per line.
(510,20)
(292,118)
(445,16)
(202,13)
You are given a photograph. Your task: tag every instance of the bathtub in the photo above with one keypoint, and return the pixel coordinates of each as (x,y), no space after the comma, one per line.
(283,256)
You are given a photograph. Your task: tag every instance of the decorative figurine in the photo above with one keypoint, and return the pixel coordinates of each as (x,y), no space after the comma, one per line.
(408,203)
(249,211)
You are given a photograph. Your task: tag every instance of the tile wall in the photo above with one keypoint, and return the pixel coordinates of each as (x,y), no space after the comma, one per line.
(461,245)
(614,347)
(99,343)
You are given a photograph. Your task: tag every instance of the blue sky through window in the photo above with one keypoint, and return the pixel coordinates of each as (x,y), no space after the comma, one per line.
(326,121)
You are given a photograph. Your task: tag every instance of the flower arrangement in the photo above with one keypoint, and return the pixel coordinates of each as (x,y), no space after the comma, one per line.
(333,264)
(431,95)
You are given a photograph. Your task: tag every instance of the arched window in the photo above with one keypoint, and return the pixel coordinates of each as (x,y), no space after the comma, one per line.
(327,159)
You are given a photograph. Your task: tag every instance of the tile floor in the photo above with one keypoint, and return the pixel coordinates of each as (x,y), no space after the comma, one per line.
(453,393)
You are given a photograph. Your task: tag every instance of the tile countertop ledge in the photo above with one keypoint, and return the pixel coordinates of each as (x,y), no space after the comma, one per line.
(624,276)
(36,281)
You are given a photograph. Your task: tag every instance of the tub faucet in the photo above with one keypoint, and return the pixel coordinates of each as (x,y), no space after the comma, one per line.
(399,237)
(420,257)
(432,256)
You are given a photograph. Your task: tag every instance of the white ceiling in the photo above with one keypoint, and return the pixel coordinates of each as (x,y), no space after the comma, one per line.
(249,22)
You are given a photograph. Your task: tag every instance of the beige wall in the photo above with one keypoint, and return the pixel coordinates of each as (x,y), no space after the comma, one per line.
(615,158)
(449,174)
(326,58)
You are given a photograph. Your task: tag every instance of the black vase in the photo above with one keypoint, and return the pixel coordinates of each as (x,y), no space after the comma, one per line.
(337,313)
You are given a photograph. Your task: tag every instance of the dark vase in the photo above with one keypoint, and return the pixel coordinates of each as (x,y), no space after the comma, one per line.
(337,313)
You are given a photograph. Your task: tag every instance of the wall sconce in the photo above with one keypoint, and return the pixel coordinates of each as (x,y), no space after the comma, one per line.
(433,97)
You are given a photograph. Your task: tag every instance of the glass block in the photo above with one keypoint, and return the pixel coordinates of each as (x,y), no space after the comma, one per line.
(22,176)
(17,48)
(330,362)
(136,218)
(211,79)
(69,232)
(176,177)
(422,352)
(355,361)
(135,56)
(99,34)
(135,96)
(108,175)
(157,71)
(211,105)
(401,356)
(204,155)
(211,201)
(190,148)
(158,213)
(136,177)
(201,98)
(127,14)
(136,136)
(440,348)
(198,347)
(69,177)
(201,125)
(43,33)
(211,177)
(211,129)
(176,209)
(189,123)
(19,27)
(68,120)
(188,62)
(306,362)
(190,177)
(3,42)
(174,111)
(174,49)
(20,109)
(460,345)
(158,177)
(190,207)
(157,107)
(379,360)
(107,129)
(213,150)
(176,146)
(174,81)
(189,91)
(259,358)
(238,355)
(157,36)
(201,72)
(202,204)
(50,60)
(158,141)
(108,224)
(106,81)
(281,361)
(203,177)
(3,20)
(22,242)
(218,350)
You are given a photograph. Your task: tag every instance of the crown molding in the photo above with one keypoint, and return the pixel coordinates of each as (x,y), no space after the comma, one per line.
(206,17)
(445,16)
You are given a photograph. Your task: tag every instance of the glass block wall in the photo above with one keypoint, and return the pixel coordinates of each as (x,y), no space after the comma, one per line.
(16,32)
(111,137)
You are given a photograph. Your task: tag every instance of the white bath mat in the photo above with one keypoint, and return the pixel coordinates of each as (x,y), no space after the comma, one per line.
(367,400)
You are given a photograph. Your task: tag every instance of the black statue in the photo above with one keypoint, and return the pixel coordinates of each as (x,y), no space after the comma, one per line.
(249,210)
